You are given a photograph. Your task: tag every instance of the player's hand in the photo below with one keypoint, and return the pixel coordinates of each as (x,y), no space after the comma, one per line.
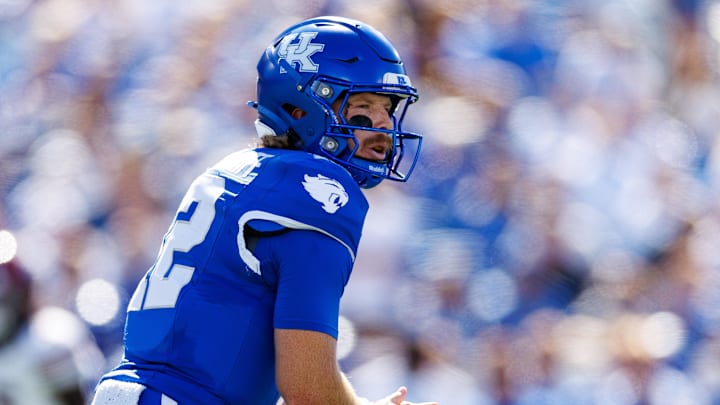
(398,398)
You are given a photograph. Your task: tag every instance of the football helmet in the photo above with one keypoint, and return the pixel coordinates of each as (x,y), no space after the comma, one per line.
(321,61)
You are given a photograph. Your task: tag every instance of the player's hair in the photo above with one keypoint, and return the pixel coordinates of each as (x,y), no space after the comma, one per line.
(276,142)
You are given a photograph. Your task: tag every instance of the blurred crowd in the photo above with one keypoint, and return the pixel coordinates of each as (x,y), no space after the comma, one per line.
(557,244)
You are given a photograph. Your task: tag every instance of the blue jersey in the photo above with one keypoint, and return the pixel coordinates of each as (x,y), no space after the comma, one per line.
(200,324)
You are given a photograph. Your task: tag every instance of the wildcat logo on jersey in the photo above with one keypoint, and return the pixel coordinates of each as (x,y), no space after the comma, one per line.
(299,53)
(328,192)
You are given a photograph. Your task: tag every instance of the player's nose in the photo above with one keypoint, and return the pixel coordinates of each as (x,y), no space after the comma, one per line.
(381,119)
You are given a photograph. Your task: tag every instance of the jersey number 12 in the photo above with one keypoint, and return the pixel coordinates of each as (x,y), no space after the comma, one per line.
(161,286)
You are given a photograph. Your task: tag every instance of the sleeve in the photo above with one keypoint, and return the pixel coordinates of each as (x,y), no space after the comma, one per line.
(312,270)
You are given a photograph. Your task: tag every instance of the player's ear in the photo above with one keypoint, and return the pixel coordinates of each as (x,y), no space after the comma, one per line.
(298,113)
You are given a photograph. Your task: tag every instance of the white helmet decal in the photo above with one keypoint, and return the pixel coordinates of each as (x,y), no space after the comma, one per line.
(395,78)
(301,51)
(328,192)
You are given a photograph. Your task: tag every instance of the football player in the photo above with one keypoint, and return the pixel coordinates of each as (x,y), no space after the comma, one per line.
(242,304)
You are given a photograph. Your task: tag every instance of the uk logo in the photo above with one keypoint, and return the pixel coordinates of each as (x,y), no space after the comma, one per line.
(299,53)
(328,192)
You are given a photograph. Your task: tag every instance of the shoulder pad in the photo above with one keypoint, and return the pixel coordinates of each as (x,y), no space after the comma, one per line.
(299,190)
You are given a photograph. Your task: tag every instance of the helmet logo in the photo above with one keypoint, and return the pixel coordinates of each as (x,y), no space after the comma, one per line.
(395,78)
(300,52)
(328,192)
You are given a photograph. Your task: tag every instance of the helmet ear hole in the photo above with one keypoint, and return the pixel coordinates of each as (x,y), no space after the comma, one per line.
(295,112)
(288,108)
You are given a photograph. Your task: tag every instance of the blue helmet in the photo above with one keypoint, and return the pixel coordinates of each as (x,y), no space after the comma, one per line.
(317,62)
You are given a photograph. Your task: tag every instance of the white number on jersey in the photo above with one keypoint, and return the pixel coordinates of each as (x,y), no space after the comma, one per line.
(191,225)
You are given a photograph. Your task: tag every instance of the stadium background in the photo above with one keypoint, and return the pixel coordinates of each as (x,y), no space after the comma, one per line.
(558,243)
